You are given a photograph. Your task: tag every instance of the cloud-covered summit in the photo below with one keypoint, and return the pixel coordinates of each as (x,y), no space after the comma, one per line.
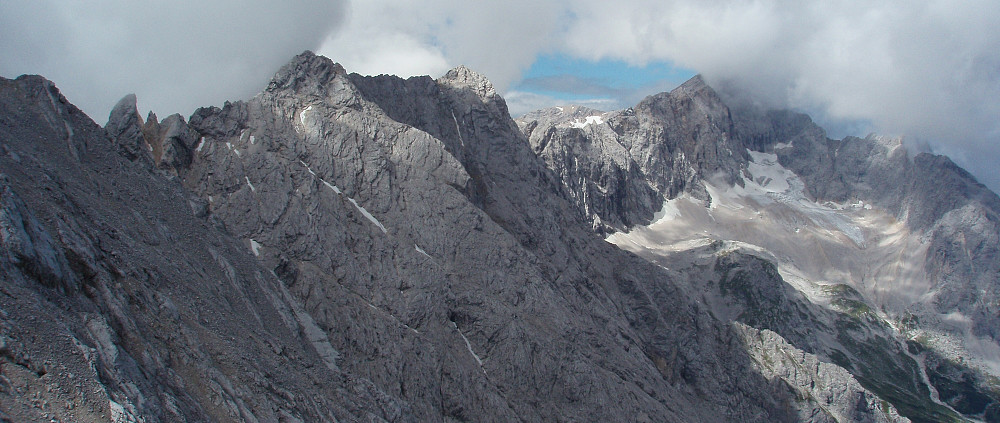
(929,69)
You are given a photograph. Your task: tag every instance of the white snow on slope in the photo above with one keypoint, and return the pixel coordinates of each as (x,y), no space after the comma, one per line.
(302,115)
(367,214)
(590,120)
(337,190)
(469,346)
(814,244)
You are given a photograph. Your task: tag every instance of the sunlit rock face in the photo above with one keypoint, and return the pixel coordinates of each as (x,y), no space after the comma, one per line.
(350,248)
(853,225)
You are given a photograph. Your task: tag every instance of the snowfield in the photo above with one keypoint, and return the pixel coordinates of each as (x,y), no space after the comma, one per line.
(814,245)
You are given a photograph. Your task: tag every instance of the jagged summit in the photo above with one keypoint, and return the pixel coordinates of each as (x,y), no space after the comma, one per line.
(306,71)
(371,248)
(124,126)
(694,84)
(463,77)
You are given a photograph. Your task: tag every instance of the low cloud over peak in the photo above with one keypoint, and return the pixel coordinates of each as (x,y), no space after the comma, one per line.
(929,69)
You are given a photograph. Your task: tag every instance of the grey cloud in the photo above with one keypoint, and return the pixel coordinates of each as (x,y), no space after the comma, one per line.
(927,69)
(175,56)
(497,39)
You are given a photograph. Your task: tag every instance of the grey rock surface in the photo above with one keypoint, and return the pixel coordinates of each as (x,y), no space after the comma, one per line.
(125,129)
(620,168)
(430,244)
(678,143)
(119,304)
(349,248)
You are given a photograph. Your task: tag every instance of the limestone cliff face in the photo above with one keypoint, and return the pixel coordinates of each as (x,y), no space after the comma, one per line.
(124,301)
(352,248)
(430,210)
(620,166)
(760,177)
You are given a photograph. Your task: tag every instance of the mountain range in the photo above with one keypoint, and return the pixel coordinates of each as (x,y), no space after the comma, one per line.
(351,248)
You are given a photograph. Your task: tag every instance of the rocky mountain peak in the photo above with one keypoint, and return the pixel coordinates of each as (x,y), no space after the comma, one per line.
(463,77)
(305,72)
(695,84)
(694,97)
(125,128)
(354,248)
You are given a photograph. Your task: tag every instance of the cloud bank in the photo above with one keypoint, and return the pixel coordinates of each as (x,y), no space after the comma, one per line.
(929,69)
(175,56)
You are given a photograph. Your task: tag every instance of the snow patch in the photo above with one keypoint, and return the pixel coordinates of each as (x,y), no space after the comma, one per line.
(253,139)
(229,145)
(201,145)
(255,247)
(768,174)
(668,212)
(458,129)
(238,154)
(302,115)
(468,345)
(590,120)
(364,212)
(421,250)
(117,412)
(307,168)
(252,189)
(334,188)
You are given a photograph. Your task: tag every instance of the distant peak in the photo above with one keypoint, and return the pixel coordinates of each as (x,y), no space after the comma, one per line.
(694,86)
(564,113)
(695,89)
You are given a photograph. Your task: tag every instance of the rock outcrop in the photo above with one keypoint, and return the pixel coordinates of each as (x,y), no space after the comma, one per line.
(429,210)
(120,303)
(349,248)
(927,268)
(620,166)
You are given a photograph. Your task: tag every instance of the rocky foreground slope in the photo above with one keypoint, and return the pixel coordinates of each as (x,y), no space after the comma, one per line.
(348,248)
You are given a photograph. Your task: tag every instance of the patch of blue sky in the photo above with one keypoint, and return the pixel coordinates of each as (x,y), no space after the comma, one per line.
(568,77)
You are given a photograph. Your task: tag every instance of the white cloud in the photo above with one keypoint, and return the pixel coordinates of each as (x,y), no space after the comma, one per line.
(927,68)
(176,56)
(498,39)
